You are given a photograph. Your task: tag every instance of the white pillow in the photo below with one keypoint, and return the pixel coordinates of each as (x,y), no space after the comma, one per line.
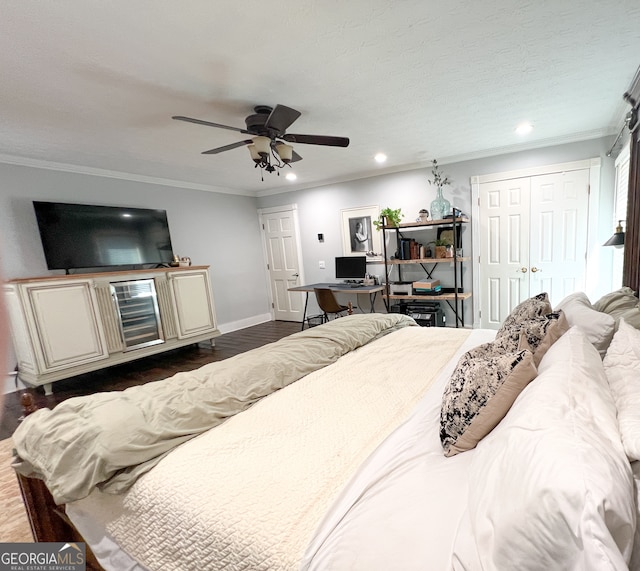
(597,326)
(622,365)
(551,487)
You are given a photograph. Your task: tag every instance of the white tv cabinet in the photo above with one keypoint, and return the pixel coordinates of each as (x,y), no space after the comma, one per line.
(63,326)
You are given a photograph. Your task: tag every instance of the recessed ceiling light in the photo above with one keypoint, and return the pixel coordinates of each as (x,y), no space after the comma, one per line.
(524,128)
(380,158)
(291,176)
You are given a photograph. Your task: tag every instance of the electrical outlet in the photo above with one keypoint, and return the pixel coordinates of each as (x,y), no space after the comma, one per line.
(321,264)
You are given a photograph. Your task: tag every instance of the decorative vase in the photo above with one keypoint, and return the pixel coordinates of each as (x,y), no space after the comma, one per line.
(440,206)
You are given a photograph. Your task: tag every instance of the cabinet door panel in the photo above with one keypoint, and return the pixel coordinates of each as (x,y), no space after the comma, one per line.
(193,303)
(65,317)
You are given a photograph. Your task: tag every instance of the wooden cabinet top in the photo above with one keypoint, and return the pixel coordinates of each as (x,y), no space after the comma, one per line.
(107,274)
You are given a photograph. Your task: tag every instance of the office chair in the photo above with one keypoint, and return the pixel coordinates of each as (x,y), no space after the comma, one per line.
(329,304)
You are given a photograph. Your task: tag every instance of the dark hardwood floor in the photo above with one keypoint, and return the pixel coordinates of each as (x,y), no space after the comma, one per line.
(153,368)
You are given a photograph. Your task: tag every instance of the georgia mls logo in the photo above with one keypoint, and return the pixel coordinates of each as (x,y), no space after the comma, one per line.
(43,557)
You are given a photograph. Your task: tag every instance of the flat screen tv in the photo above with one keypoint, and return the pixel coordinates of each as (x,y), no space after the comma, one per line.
(78,236)
(351,267)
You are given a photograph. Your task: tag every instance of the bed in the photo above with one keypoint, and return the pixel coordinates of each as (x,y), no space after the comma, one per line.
(364,443)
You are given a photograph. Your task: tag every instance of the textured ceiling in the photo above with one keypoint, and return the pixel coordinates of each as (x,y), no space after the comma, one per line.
(92,85)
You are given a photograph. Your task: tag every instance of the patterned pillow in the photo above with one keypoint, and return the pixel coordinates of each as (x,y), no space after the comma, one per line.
(540,333)
(509,334)
(479,394)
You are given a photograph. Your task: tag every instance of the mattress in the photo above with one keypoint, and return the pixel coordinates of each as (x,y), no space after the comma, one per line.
(366,498)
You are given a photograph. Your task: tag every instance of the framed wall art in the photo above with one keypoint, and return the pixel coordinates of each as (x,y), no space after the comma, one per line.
(359,236)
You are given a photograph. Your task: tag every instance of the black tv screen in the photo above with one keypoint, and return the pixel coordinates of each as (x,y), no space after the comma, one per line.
(351,267)
(90,236)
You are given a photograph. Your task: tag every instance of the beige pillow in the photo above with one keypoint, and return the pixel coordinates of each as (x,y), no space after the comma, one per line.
(617,301)
(631,317)
(479,394)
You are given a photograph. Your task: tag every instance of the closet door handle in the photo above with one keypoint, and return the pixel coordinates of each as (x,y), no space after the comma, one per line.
(534,269)
(523,270)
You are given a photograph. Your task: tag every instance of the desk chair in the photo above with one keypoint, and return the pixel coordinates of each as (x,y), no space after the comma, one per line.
(329,304)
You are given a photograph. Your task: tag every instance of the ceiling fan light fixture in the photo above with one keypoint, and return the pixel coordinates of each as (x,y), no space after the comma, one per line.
(285,152)
(255,155)
(268,126)
(262,145)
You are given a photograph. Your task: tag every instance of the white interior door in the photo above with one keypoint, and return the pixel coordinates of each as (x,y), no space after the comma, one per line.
(282,245)
(504,248)
(533,238)
(559,230)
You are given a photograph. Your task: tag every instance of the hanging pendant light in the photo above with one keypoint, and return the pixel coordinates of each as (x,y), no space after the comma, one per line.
(618,237)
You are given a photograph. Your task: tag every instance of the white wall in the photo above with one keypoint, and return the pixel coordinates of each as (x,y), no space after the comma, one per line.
(219,230)
(319,208)
(222,230)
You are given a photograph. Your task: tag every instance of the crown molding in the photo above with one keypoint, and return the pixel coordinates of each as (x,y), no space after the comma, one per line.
(105,173)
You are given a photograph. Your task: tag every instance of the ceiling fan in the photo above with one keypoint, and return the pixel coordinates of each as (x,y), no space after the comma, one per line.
(269,149)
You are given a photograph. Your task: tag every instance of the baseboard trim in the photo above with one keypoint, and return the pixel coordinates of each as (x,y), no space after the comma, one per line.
(243,323)
(9,385)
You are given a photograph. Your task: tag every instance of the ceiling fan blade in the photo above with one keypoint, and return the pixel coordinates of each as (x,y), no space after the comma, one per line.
(317,140)
(209,124)
(227,147)
(281,118)
(295,157)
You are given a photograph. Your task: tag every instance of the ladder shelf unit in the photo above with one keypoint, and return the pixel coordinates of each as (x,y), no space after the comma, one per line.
(453,296)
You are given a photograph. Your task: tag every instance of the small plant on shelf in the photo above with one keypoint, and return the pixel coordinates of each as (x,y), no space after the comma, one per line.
(388,217)
(443,248)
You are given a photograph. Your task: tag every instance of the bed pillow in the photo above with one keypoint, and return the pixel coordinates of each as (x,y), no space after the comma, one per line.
(597,326)
(536,306)
(631,317)
(554,465)
(480,392)
(537,335)
(617,302)
(622,366)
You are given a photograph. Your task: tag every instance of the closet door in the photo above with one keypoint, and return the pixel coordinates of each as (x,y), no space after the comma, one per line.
(533,239)
(504,248)
(559,230)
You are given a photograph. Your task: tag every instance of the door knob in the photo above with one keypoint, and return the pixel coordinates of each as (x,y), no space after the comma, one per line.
(534,269)
(296,275)
(523,270)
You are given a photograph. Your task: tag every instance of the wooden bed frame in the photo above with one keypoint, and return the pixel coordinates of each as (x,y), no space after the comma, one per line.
(49,521)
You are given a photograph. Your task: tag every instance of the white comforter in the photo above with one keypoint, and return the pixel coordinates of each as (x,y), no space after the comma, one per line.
(408,507)
(252,492)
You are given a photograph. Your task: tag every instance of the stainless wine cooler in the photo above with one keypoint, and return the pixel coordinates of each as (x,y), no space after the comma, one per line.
(137,305)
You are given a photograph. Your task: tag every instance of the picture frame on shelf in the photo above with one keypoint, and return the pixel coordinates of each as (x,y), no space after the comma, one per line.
(446,233)
(359,237)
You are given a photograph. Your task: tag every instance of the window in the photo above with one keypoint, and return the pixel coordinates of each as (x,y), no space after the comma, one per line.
(620,210)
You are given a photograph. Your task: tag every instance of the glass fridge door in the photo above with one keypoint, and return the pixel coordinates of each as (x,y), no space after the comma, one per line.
(137,306)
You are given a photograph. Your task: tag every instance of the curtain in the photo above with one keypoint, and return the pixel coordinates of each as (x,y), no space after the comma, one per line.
(631,271)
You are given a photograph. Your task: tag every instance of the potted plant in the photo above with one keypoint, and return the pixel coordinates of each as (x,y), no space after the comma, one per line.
(388,217)
(442,248)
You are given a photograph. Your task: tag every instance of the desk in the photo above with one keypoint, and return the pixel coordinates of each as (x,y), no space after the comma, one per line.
(340,288)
